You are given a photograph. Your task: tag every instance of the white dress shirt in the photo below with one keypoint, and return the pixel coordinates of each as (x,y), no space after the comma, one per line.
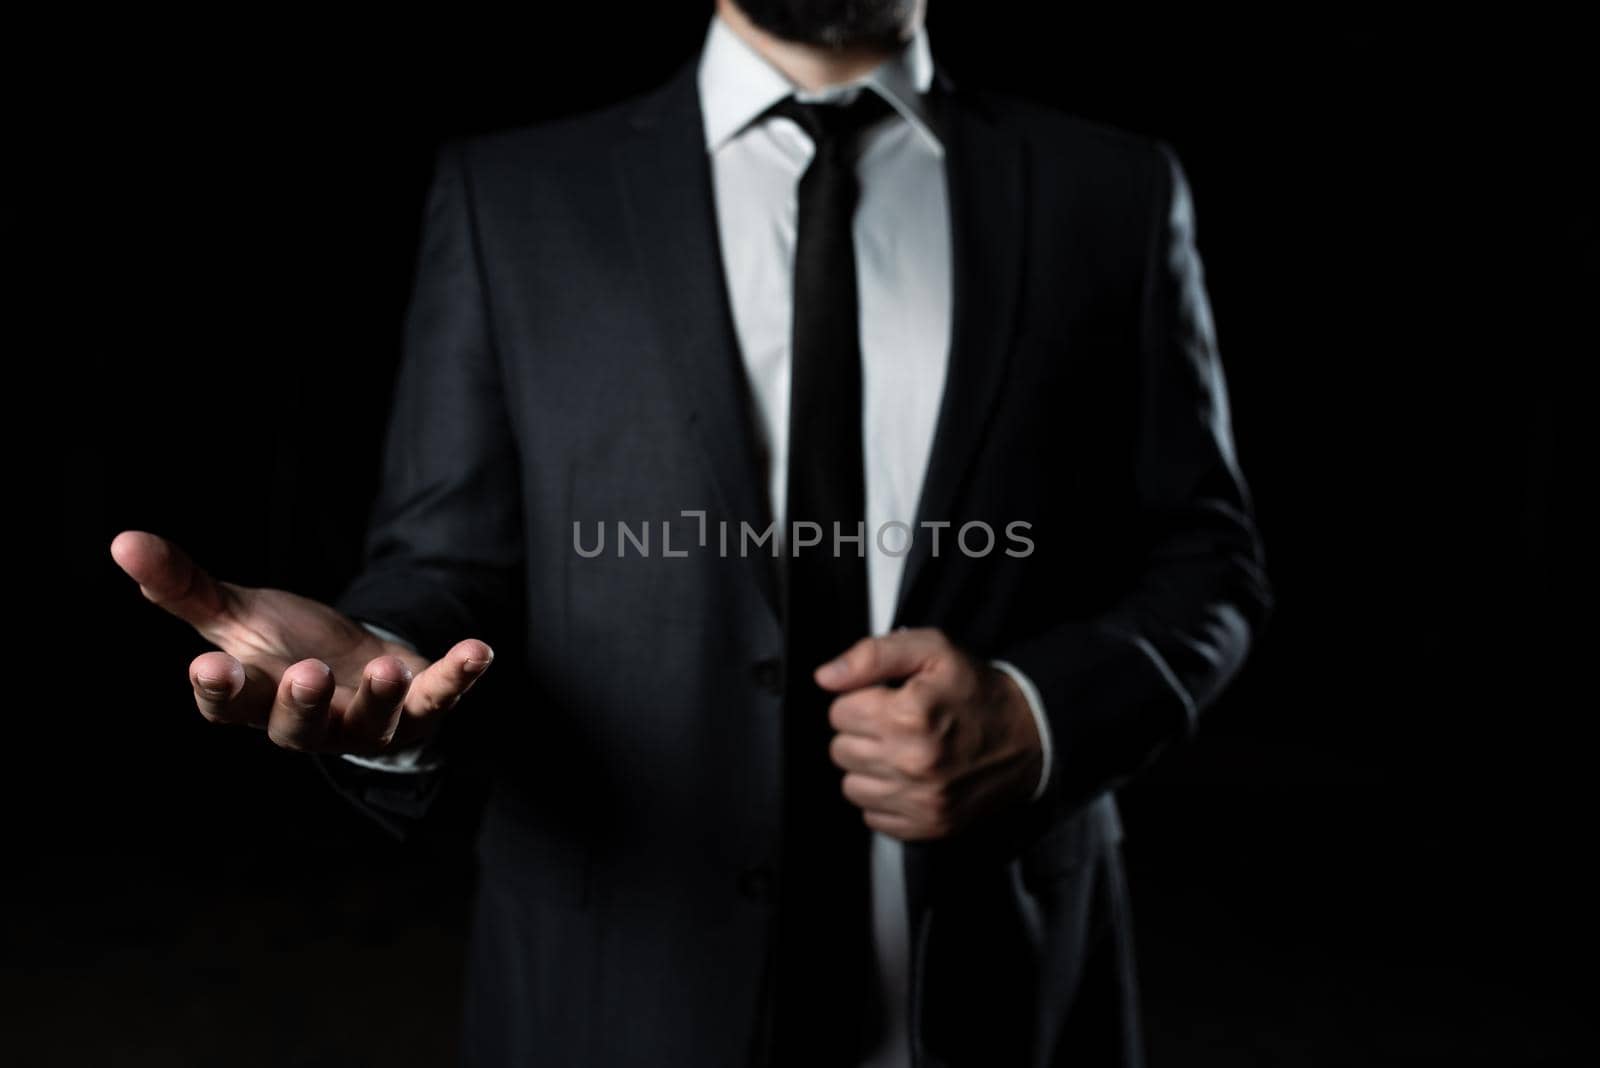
(903,277)
(903,272)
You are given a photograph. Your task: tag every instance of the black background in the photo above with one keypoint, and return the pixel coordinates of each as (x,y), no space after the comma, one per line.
(1372,854)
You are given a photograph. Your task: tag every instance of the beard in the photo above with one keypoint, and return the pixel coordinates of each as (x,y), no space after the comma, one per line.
(876,24)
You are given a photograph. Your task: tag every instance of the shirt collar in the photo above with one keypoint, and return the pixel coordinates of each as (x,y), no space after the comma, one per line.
(737,84)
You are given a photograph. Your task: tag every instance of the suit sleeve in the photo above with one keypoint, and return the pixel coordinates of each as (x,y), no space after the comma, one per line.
(1119,687)
(442,553)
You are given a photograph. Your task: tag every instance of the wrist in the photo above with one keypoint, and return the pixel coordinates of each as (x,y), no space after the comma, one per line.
(1031,726)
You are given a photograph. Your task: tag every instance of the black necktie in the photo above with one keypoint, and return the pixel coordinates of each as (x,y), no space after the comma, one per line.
(824,1003)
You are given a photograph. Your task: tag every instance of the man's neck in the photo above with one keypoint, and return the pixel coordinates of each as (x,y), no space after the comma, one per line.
(811,67)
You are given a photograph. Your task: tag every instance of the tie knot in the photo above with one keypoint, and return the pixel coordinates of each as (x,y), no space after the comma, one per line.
(832,124)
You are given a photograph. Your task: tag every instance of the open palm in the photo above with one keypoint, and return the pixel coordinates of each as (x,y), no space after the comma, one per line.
(315,679)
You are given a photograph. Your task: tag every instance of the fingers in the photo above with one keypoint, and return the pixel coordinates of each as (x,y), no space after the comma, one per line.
(300,714)
(908,813)
(889,811)
(864,756)
(441,685)
(871,794)
(167,577)
(896,826)
(882,658)
(306,710)
(226,691)
(897,760)
(913,710)
(368,722)
(860,712)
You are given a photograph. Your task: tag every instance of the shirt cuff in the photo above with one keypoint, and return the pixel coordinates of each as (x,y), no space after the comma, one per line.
(387,635)
(413,760)
(1036,706)
(410,761)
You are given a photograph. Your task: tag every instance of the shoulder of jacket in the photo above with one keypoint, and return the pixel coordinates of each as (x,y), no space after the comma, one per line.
(1054,130)
(564,140)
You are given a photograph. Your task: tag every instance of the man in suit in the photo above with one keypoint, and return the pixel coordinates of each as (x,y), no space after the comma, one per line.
(843,457)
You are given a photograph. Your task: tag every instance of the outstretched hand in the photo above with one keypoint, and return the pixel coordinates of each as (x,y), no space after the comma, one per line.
(315,679)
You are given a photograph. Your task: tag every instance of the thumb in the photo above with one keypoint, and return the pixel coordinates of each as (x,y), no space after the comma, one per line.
(167,577)
(444,682)
(879,659)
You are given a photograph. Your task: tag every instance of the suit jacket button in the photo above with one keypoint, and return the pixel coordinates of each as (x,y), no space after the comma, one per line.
(769,675)
(759,883)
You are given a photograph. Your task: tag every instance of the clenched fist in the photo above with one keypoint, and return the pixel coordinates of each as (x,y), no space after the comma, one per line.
(315,679)
(954,742)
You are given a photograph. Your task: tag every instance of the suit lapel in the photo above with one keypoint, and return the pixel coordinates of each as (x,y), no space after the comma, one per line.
(671,215)
(667,186)
(988,219)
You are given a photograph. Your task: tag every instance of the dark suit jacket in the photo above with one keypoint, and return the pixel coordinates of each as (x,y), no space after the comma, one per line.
(569,357)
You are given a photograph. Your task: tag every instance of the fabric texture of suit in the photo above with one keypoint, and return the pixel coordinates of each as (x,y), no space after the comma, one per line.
(569,358)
